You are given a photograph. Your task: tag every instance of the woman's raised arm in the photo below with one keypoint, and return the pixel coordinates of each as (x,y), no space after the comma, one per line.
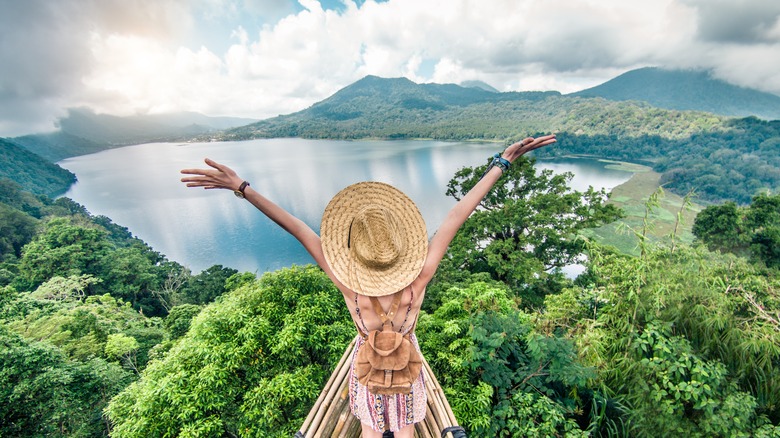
(220,176)
(463,209)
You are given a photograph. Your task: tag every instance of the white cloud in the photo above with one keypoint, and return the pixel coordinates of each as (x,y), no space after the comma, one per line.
(123,57)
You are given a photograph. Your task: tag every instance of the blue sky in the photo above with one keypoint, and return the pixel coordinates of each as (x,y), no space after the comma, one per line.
(261,58)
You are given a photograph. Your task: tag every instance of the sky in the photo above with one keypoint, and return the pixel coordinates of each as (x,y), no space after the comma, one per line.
(262,58)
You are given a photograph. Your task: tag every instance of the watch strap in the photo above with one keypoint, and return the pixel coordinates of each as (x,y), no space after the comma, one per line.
(241,188)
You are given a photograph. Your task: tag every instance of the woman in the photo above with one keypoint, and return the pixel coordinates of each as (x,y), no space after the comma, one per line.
(374,244)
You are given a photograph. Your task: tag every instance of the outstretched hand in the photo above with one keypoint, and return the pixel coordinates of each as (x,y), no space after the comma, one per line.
(520,148)
(218,177)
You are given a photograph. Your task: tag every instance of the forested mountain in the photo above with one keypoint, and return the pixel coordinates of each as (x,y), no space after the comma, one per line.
(31,171)
(375,107)
(721,158)
(56,146)
(687,90)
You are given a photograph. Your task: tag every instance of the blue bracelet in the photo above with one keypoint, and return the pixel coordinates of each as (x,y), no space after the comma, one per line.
(501,162)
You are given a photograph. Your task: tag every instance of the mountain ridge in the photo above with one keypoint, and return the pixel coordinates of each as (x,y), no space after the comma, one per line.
(31,171)
(686,90)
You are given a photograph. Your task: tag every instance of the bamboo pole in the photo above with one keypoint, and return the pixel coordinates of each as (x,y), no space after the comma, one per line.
(452,421)
(331,417)
(316,413)
(340,404)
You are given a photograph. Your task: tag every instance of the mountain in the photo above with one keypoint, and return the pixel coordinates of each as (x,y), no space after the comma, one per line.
(478,84)
(56,146)
(687,90)
(114,130)
(83,131)
(32,172)
(376,107)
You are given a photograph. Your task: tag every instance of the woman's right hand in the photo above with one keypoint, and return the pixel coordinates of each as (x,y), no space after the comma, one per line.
(218,177)
(520,148)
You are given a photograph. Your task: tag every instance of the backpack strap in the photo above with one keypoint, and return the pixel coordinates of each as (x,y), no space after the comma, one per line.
(387,317)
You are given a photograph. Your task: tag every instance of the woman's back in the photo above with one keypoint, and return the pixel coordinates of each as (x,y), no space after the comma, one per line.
(365,318)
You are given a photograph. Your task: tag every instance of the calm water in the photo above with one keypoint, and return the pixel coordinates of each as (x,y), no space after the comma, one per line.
(138,187)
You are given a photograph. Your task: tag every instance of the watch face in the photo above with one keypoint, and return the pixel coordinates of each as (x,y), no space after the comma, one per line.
(238,194)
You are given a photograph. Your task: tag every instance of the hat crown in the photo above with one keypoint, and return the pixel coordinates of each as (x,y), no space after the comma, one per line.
(376,237)
(373,238)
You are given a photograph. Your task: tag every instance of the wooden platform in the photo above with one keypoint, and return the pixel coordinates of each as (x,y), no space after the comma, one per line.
(330,416)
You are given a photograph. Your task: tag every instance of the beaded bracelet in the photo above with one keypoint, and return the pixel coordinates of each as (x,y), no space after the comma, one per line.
(498,161)
(501,162)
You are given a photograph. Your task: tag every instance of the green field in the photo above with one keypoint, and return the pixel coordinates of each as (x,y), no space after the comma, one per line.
(632,197)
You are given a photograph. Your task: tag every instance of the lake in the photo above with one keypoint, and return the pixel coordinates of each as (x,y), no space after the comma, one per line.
(138,187)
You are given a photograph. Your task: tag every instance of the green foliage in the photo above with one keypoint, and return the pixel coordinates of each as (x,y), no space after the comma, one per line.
(126,267)
(80,326)
(179,318)
(732,161)
(251,364)
(524,228)
(44,394)
(751,230)
(16,230)
(496,368)
(206,286)
(59,145)
(62,249)
(685,339)
(124,348)
(679,393)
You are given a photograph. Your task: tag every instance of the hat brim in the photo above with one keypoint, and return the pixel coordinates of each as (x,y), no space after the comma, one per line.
(334,234)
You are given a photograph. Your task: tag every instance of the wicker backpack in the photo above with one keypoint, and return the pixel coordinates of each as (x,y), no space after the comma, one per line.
(387,362)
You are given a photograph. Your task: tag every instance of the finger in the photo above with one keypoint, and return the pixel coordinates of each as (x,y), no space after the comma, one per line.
(215,165)
(193,179)
(538,145)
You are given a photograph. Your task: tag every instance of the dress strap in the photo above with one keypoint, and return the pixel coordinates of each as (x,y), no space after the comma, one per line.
(408,309)
(360,317)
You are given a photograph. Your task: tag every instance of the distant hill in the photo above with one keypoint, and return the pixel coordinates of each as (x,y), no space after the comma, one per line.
(114,130)
(687,90)
(59,145)
(478,84)
(84,132)
(32,172)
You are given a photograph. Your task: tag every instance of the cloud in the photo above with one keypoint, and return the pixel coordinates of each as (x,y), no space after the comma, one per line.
(261,58)
(45,51)
(737,21)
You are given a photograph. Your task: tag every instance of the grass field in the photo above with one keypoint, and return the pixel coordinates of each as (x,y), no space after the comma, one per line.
(632,197)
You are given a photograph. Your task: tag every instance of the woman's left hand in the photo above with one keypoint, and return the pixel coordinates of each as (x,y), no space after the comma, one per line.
(527,145)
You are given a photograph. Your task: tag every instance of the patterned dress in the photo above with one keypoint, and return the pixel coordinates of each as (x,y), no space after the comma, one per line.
(386,412)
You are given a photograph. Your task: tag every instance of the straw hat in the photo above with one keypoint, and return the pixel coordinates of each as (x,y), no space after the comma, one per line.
(374,238)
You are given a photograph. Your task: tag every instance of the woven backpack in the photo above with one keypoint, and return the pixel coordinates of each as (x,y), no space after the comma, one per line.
(387,362)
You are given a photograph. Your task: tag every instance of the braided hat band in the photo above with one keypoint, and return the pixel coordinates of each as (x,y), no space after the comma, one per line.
(374,238)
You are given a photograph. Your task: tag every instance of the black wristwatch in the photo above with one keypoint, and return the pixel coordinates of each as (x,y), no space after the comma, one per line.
(241,188)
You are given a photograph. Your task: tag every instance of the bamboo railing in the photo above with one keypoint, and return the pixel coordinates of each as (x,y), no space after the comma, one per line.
(330,416)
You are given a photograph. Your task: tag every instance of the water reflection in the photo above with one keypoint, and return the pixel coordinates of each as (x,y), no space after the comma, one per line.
(138,187)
